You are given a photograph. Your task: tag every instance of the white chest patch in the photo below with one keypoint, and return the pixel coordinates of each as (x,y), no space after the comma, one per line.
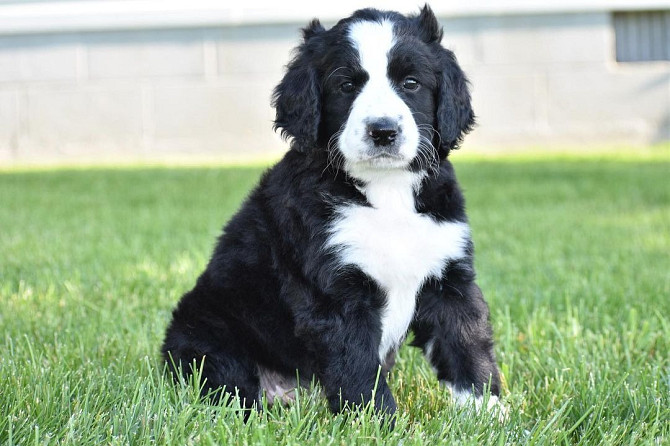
(395,246)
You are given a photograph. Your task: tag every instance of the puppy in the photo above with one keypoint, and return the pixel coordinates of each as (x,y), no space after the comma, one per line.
(356,236)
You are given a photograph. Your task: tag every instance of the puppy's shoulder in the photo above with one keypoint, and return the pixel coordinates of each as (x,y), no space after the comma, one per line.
(440,195)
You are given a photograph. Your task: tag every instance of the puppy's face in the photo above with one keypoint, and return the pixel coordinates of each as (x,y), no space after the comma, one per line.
(384,97)
(375,91)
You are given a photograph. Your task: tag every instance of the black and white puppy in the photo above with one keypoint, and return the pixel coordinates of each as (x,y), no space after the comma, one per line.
(356,236)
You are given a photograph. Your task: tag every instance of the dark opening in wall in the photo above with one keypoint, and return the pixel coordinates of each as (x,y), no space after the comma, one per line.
(642,35)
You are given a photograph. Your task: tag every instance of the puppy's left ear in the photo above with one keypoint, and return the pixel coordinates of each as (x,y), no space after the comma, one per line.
(429,28)
(297,98)
(454,116)
(454,113)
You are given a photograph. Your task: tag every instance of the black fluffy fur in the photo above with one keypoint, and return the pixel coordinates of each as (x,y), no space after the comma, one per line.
(273,296)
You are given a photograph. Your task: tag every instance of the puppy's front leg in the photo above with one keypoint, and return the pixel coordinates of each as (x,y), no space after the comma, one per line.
(347,363)
(451,326)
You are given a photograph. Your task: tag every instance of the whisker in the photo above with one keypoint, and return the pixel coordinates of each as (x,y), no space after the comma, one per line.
(335,71)
(427,133)
(419,113)
(335,156)
(428,155)
(433,131)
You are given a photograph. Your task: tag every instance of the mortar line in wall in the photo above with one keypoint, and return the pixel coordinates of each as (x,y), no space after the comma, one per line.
(148,124)
(81,61)
(23,127)
(210,58)
(14,139)
(541,102)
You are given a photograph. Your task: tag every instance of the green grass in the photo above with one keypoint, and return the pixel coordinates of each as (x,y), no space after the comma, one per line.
(572,254)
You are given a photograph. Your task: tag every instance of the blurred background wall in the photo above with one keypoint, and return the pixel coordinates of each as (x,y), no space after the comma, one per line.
(180,80)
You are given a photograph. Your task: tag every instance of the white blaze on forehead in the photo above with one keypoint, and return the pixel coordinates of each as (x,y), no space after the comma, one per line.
(374,41)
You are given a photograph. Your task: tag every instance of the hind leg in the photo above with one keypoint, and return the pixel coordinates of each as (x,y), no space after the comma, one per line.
(222,370)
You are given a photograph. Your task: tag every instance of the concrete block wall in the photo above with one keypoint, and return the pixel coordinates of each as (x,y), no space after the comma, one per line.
(552,80)
(204,93)
(187,95)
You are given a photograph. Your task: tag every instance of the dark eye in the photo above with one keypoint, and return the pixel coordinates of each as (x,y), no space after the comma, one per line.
(347,87)
(410,84)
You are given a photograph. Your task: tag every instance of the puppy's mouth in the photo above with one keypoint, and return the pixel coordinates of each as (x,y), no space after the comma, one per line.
(384,159)
(385,156)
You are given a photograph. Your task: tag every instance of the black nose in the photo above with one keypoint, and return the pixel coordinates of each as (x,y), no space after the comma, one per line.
(383,131)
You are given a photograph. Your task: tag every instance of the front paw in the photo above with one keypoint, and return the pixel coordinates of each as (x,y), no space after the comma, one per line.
(385,403)
(385,406)
(491,403)
(380,403)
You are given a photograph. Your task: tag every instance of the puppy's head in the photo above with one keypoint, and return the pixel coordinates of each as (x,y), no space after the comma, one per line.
(378,89)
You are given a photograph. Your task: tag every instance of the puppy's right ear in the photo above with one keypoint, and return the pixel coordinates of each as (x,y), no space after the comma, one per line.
(297,98)
(315,27)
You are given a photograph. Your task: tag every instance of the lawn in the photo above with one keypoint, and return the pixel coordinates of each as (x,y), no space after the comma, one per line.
(573,254)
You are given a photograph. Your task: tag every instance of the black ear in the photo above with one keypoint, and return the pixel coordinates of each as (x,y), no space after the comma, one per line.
(455,116)
(297,98)
(454,111)
(312,29)
(429,28)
